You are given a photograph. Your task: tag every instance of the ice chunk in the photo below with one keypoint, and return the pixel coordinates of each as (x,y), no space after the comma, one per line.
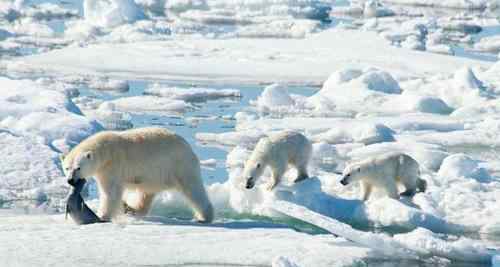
(151,104)
(111,13)
(365,133)
(378,242)
(461,165)
(408,102)
(110,118)
(465,78)
(106,84)
(274,95)
(462,250)
(194,94)
(246,138)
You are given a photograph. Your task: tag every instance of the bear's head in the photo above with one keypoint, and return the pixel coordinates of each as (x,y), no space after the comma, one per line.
(351,173)
(78,165)
(253,170)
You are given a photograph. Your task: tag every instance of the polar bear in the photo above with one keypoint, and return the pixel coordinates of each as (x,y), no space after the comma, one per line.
(145,160)
(385,172)
(278,151)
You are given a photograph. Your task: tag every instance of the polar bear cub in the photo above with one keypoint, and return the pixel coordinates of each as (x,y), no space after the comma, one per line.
(144,160)
(277,152)
(385,172)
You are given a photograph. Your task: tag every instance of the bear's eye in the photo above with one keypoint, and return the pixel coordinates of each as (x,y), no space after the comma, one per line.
(258,165)
(78,168)
(359,170)
(348,175)
(66,168)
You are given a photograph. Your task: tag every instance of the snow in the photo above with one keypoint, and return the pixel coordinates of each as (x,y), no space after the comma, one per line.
(37,122)
(157,241)
(381,80)
(271,60)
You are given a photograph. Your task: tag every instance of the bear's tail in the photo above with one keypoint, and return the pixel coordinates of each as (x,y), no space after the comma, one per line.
(421,185)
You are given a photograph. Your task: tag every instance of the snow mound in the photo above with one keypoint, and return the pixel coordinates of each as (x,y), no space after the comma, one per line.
(466,89)
(409,102)
(111,13)
(461,165)
(274,95)
(371,79)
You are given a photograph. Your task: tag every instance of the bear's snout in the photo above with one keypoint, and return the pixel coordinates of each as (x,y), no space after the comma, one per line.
(250,183)
(72,181)
(344,181)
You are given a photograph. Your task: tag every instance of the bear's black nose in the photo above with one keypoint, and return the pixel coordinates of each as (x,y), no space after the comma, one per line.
(343,182)
(250,183)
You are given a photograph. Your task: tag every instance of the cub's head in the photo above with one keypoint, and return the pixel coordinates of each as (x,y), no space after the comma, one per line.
(253,170)
(78,165)
(351,173)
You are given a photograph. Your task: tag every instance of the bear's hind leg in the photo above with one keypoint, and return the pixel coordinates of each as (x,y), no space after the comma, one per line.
(392,190)
(410,184)
(301,173)
(198,199)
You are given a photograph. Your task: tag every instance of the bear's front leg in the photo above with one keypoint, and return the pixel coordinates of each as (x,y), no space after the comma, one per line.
(367,190)
(277,173)
(110,200)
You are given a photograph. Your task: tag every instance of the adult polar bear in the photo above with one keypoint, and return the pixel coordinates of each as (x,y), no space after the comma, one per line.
(148,160)
(278,151)
(385,172)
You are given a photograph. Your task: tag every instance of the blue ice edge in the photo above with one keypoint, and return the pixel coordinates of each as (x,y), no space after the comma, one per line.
(392,247)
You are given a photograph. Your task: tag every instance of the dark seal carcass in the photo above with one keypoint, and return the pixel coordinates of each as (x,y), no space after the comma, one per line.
(77,208)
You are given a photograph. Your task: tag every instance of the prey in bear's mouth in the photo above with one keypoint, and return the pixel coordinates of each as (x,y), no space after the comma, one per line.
(77,208)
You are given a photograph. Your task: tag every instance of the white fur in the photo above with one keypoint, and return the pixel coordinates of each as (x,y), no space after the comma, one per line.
(147,160)
(385,172)
(277,152)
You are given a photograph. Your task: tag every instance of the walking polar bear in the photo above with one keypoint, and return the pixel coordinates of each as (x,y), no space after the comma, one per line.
(147,160)
(277,152)
(385,172)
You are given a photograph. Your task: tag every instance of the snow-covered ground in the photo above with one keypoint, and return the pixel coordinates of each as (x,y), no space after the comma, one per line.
(358,79)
